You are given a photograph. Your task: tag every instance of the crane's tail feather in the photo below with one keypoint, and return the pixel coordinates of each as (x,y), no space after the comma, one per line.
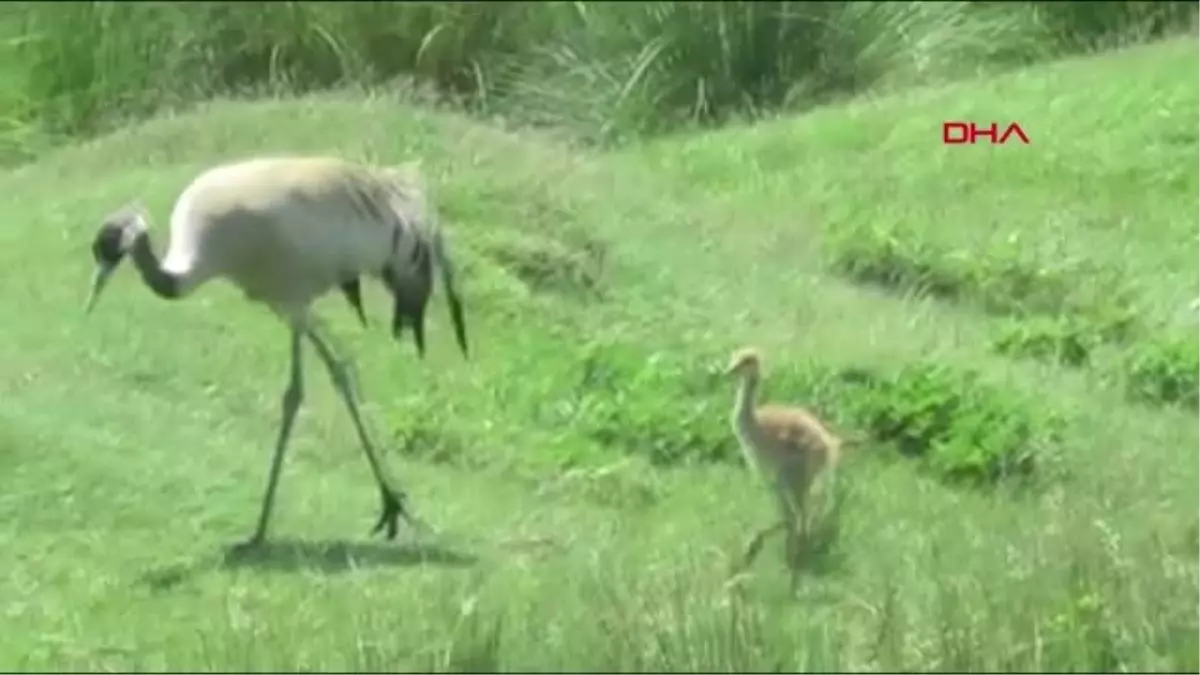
(411,283)
(446,268)
(352,290)
(400,319)
(410,289)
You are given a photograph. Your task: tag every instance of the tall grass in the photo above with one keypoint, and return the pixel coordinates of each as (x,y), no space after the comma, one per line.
(91,64)
(604,70)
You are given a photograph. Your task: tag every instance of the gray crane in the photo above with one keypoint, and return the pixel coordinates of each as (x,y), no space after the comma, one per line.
(286,230)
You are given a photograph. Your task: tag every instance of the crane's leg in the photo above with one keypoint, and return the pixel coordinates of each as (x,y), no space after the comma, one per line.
(784,497)
(754,546)
(797,535)
(292,396)
(833,490)
(393,499)
(791,485)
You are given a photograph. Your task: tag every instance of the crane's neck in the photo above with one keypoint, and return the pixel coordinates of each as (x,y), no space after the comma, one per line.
(164,284)
(743,405)
(745,425)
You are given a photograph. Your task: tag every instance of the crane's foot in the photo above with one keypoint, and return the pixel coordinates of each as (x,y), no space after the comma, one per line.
(246,547)
(392,510)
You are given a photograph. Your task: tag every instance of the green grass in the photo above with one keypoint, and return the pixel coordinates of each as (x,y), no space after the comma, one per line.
(134,442)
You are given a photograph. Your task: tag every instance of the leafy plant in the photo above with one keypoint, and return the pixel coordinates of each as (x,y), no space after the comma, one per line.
(1064,340)
(1074,300)
(670,411)
(659,407)
(885,258)
(959,427)
(1165,370)
(664,407)
(545,264)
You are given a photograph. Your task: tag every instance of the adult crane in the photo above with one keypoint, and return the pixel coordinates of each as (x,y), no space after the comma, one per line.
(286,230)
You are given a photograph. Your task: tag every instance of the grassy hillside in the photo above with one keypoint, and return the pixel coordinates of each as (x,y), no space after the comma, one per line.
(578,466)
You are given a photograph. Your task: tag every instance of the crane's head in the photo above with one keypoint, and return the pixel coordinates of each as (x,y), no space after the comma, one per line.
(745,362)
(113,242)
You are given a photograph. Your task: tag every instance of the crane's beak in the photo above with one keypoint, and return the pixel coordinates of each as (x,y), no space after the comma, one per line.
(99,279)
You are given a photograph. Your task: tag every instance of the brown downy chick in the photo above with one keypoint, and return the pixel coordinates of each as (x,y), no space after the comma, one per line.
(787,445)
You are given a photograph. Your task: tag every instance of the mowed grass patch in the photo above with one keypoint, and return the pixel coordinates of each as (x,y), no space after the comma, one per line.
(135,442)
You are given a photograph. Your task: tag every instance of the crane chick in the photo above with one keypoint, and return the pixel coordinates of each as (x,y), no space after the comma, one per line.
(787,446)
(286,230)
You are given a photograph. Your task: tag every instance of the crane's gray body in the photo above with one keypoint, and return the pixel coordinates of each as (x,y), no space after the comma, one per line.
(287,230)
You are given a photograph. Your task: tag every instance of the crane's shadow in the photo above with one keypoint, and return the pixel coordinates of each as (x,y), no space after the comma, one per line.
(331,557)
(322,557)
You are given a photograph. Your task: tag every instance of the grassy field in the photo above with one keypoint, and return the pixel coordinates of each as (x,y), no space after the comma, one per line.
(582,524)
